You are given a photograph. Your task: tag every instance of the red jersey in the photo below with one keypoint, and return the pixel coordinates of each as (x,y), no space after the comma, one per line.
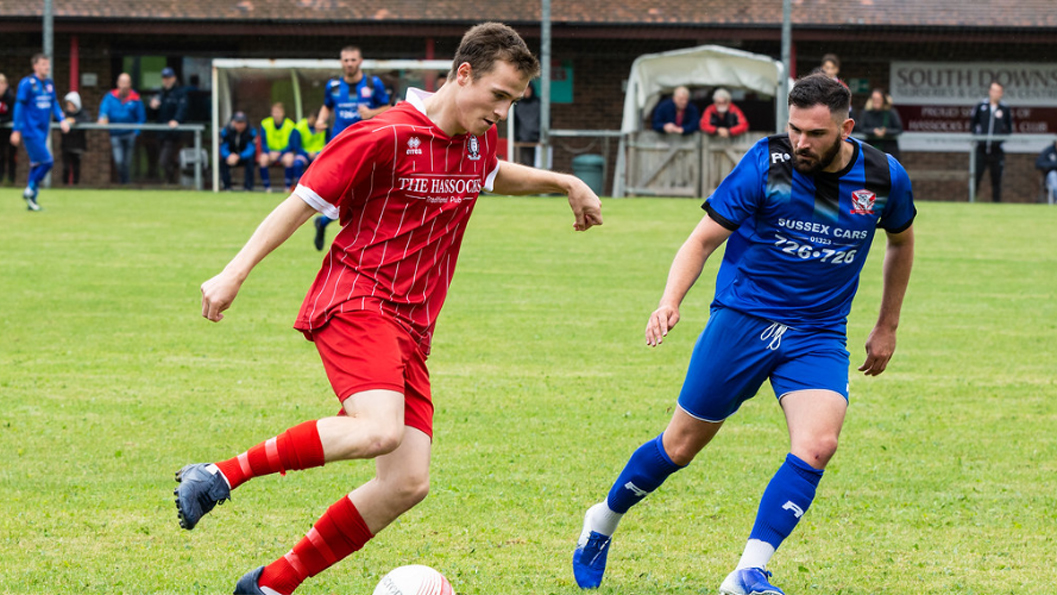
(403,191)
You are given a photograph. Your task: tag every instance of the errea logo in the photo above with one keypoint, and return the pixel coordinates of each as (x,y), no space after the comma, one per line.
(413,145)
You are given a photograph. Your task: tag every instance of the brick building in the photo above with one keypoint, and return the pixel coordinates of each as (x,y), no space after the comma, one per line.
(594,44)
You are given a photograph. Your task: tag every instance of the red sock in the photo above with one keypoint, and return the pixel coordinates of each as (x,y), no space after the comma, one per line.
(338,533)
(297,448)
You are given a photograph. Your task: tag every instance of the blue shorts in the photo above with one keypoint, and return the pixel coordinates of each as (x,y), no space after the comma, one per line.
(37,149)
(737,352)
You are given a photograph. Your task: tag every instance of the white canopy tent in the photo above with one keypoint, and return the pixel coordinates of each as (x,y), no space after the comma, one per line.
(703,66)
(653,75)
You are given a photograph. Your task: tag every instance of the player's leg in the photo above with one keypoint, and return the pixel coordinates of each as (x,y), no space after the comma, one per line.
(300,163)
(321,222)
(40,163)
(812,383)
(266,159)
(998,164)
(981,164)
(247,177)
(401,481)
(287,159)
(716,384)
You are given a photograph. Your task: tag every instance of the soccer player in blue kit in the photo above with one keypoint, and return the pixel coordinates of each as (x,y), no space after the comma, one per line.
(353,97)
(35,103)
(798,214)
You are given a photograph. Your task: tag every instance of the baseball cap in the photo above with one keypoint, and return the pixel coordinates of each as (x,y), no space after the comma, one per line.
(239,117)
(167,72)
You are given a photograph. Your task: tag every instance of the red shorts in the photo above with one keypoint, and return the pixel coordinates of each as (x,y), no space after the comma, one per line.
(367,351)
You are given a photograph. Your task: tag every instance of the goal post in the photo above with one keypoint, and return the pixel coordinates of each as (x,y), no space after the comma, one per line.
(252,85)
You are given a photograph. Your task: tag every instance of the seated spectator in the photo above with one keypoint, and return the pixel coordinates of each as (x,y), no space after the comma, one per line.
(74,143)
(676,115)
(122,106)
(723,118)
(307,143)
(238,145)
(275,146)
(880,123)
(1047,164)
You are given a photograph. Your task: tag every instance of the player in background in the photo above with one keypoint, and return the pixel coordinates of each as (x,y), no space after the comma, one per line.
(800,211)
(307,143)
(276,147)
(352,98)
(35,104)
(404,185)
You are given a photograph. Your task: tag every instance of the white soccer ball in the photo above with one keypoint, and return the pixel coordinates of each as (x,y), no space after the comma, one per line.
(414,580)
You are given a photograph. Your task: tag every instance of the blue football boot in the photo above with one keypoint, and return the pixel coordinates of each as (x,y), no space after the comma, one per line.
(589,558)
(200,489)
(248,584)
(749,581)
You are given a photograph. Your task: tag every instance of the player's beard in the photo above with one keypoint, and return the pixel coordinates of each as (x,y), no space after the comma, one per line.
(821,162)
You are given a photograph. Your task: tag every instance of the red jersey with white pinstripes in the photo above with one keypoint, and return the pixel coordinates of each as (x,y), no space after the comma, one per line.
(403,191)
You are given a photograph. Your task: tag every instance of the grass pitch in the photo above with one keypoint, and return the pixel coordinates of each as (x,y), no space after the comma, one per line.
(110,381)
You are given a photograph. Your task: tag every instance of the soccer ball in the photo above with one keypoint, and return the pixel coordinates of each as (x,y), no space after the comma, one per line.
(414,580)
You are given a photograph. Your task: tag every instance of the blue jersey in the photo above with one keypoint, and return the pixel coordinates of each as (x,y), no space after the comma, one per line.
(345,100)
(800,241)
(35,103)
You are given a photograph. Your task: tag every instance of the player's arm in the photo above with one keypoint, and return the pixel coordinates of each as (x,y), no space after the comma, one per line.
(322,119)
(60,117)
(367,113)
(280,224)
(517,179)
(686,268)
(881,344)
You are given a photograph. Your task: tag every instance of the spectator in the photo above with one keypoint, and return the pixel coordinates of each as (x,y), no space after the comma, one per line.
(122,106)
(527,126)
(74,143)
(238,144)
(35,104)
(307,143)
(993,118)
(723,118)
(830,66)
(1047,164)
(676,115)
(880,123)
(276,131)
(7,150)
(169,106)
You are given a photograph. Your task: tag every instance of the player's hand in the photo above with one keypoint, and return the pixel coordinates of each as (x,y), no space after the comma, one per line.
(364,111)
(663,319)
(173,123)
(217,295)
(880,346)
(16,138)
(321,125)
(585,205)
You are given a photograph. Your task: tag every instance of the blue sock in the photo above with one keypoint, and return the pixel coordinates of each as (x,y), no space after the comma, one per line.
(647,469)
(785,500)
(288,176)
(37,173)
(266,178)
(299,170)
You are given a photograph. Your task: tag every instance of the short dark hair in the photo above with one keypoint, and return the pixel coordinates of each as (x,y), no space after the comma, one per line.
(351,48)
(831,58)
(486,43)
(37,58)
(819,89)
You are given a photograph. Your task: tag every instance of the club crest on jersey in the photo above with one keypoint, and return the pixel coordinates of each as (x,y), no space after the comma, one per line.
(413,145)
(862,202)
(474,148)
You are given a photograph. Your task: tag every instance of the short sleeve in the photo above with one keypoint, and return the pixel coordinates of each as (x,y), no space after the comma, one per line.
(328,97)
(740,194)
(899,211)
(380,96)
(336,180)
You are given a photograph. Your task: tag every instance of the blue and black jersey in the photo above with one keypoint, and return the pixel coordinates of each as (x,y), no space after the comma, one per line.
(800,241)
(345,99)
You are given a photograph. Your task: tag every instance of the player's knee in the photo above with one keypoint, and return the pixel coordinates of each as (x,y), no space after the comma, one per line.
(682,452)
(818,451)
(412,490)
(385,440)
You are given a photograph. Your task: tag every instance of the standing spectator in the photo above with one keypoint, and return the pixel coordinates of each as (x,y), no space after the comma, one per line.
(122,106)
(35,104)
(830,66)
(353,97)
(993,118)
(880,123)
(676,115)
(1047,164)
(238,144)
(74,143)
(275,146)
(169,106)
(7,150)
(307,143)
(527,126)
(723,118)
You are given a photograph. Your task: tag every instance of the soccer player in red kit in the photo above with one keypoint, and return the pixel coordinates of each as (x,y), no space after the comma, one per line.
(403,184)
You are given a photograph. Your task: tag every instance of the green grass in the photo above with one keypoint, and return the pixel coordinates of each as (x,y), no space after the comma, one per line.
(946,481)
